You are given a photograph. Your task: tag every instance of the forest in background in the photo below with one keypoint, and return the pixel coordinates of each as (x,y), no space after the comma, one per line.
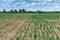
(24,11)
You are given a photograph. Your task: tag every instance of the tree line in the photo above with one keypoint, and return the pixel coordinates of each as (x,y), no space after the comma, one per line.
(13,11)
(18,11)
(24,11)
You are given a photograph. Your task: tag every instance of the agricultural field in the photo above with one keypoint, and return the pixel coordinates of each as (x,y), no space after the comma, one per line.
(30,26)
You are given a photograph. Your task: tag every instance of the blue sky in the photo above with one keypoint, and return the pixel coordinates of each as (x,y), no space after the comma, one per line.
(43,5)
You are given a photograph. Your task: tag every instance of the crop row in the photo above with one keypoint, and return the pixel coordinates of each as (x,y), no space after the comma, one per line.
(37,30)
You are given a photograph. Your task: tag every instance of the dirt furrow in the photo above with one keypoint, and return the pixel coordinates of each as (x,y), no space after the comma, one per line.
(10,35)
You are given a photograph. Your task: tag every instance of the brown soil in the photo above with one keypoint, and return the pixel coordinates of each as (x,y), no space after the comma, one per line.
(1,23)
(57,32)
(53,20)
(10,35)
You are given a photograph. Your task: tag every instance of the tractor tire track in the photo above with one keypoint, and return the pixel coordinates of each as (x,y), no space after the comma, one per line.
(10,35)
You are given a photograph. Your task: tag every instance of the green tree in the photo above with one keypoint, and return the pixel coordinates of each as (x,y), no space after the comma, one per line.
(22,10)
(4,10)
(15,11)
(12,11)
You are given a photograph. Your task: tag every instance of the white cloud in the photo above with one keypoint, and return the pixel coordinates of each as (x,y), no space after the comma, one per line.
(9,0)
(39,0)
(36,0)
(20,3)
(45,1)
(31,4)
(57,6)
(34,3)
(48,0)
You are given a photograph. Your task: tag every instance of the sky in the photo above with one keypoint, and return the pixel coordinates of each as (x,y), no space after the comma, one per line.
(43,5)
